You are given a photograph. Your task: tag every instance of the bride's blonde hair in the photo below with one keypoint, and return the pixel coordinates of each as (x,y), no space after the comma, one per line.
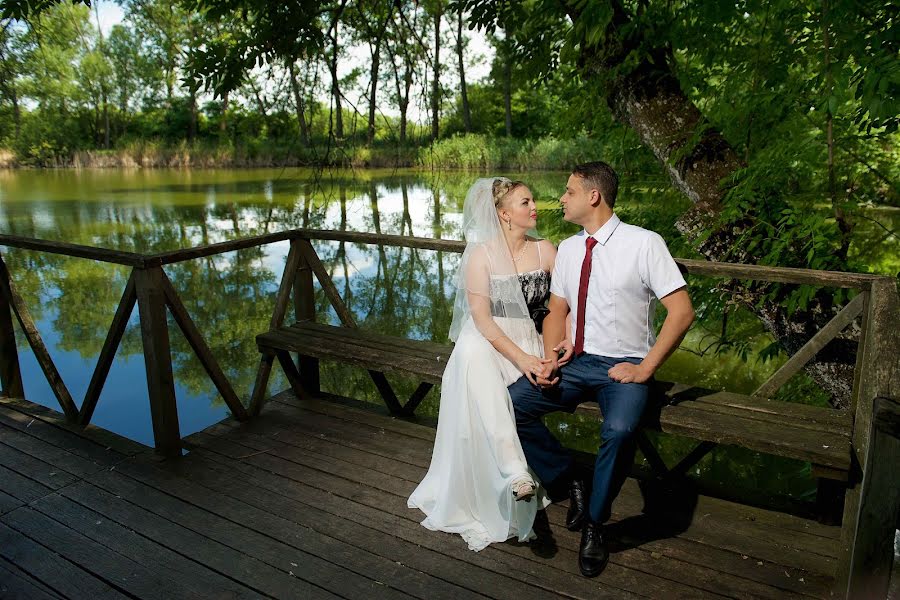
(501,187)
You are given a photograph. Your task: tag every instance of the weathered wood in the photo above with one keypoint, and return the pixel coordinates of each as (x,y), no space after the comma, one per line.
(260,385)
(286,285)
(412,404)
(690,266)
(816,417)
(174,256)
(201,349)
(15,584)
(10,373)
(305,310)
(879,506)
(386,391)
(47,566)
(692,420)
(290,371)
(8,288)
(118,257)
(878,375)
(799,359)
(158,361)
(169,523)
(312,259)
(108,352)
(133,578)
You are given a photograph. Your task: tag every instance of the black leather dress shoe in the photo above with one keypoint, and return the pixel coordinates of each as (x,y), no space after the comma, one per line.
(593,553)
(577,514)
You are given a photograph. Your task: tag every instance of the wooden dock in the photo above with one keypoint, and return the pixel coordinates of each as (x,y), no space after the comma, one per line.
(309,501)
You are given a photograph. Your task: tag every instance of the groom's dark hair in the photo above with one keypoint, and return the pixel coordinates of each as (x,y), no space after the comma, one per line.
(599,175)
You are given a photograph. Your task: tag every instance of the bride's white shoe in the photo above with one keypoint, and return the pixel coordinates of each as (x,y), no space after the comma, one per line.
(524,489)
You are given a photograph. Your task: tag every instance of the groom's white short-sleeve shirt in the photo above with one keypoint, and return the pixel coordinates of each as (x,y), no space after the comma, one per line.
(630,269)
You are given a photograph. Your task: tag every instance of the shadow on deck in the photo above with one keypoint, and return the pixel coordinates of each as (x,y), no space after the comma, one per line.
(309,501)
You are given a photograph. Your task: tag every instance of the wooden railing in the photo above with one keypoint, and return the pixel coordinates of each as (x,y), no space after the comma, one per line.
(148,286)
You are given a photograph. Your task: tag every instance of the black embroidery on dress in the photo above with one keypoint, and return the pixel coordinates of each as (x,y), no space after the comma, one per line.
(536,289)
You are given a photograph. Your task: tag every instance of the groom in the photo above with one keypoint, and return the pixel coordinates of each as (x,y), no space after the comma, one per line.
(608,277)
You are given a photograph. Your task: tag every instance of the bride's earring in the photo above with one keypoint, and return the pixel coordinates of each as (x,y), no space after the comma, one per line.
(509,224)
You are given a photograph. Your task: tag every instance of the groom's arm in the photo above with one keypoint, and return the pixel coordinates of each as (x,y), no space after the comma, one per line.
(678,320)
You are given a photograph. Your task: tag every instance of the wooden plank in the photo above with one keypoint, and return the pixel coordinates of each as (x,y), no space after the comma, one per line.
(385,534)
(876,376)
(158,361)
(192,576)
(108,352)
(20,487)
(221,558)
(623,571)
(51,569)
(33,468)
(816,422)
(269,538)
(827,419)
(58,386)
(879,506)
(371,358)
(58,458)
(312,259)
(174,256)
(831,450)
(102,437)
(361,336)
(15,584)
(8,503)
(201,349)
(10,373)
(799,359)
(60,438)
(129,576)
(119,257)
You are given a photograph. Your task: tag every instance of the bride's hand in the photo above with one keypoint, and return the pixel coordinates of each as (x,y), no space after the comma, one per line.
(533,367)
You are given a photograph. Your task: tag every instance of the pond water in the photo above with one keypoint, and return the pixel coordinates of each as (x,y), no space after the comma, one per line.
(399,291)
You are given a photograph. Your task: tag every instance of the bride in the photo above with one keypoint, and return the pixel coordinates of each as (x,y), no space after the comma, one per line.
(478,476)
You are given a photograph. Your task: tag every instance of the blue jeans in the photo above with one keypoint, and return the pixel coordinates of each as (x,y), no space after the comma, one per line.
(585,379)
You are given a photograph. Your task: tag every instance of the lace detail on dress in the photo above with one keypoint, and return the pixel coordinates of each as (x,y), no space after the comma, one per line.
(535,287)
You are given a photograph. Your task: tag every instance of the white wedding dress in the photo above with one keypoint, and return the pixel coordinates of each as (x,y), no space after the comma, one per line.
(477,454)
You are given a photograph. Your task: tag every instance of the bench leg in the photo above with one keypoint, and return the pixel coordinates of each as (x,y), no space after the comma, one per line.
(387,392)
(830,500)
(646,447)
(291,372)
(412,404)
(262,381)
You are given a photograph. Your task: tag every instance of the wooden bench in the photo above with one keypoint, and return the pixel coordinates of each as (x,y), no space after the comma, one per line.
(820,436)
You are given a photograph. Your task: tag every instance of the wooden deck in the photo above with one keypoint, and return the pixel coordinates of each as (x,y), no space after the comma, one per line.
(309,501)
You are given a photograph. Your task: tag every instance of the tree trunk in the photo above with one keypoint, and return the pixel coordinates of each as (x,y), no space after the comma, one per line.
(436,84)
(697,159)
(335,87)
(223,122)
(192,125)
(298,103)
(467,115)
(376,55)
(507,96)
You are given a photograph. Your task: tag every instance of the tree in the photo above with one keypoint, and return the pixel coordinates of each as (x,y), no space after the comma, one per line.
(460,55)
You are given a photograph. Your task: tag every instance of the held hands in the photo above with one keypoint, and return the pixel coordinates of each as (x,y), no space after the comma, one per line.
(625,372)
(536,370)
(565,349)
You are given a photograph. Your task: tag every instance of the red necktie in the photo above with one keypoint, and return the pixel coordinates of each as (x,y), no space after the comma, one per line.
(590,242)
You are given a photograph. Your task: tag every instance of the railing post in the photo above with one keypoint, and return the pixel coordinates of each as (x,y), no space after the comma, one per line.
(158,360)
(873,547)
(10,374)
(877,374)
(305,310)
